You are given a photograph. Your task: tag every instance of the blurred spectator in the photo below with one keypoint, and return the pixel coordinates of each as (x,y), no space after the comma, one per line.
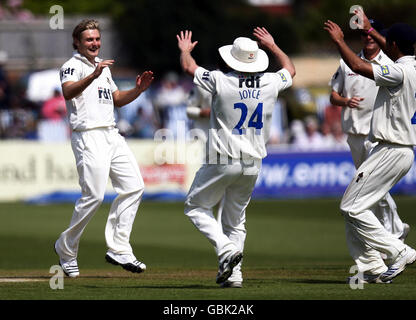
(298,137)
(340,138)
(20,121)
(54,126)
(143,126)
(170,103)
(17,12)
(311,139)
(137,119)
(278,132)
(4,83)
(54,108)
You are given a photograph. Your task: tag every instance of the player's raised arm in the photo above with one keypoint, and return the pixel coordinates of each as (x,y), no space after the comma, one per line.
(186,46)
(356,64)
(266,40)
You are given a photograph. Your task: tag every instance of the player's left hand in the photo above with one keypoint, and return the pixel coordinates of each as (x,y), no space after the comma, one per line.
(144,80)
(264,38)
(334,31)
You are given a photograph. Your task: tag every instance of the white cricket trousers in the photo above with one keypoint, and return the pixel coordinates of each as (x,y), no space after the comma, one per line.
(386,209)
(102,153)
(234,182)
(366,236)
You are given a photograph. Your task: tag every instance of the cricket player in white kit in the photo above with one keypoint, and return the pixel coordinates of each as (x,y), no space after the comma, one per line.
(356,95)
(393,127)
(100,151)
(243,101)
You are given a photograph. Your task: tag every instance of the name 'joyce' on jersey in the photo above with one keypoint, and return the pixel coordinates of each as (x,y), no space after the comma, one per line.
(249,82)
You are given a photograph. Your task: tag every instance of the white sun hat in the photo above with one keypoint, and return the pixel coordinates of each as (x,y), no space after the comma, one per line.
(244,55)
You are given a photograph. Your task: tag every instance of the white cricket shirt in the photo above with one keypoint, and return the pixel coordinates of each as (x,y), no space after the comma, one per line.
(242,106)
(199,99)
(94,107)
(349,84)
(394,117)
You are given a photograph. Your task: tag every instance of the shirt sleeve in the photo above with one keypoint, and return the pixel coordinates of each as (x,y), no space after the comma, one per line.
(69,72)
(337,81)
(205,79)
(389,75)
(284,79)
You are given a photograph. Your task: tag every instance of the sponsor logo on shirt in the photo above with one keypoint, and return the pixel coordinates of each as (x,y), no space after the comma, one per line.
(283,77)
(385,70)
(104,96)
(67,71)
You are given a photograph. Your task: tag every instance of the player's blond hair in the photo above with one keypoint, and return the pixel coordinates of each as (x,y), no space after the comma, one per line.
(87,24)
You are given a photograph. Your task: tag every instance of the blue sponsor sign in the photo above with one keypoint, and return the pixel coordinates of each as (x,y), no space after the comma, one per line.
(313,174)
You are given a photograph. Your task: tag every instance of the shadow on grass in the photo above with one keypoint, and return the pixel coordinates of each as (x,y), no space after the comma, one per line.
(194,286)
(315,281)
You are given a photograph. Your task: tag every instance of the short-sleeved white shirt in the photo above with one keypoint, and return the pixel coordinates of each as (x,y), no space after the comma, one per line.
(349,84)
(94,107)
(199,99)
(394,117)
(242,107)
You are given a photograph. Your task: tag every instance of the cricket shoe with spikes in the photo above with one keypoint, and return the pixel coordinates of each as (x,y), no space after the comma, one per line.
(227,266)
(126,261)
(70,268)
(406,257)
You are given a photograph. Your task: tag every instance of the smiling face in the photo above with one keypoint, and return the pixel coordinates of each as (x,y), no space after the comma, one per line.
(368,42)
(89,44)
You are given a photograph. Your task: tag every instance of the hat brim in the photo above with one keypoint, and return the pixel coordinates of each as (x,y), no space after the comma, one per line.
(261,63)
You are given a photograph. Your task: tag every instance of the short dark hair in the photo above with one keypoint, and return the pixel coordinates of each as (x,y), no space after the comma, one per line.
(87,24)
(222,65)
(405,37)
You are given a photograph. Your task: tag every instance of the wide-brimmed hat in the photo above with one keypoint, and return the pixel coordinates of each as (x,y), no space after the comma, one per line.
(244,55)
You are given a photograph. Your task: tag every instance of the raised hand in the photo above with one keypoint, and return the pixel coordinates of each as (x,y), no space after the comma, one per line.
(144,80)
(100,66)
(363,22)
(264,38)
(185,43)
(334,31)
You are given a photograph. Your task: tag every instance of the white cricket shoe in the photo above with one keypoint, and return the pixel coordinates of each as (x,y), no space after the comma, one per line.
(406,257)
(126,261)
(70,268)
(227,266)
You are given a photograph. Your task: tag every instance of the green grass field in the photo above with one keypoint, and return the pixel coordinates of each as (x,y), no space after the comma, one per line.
(294,250)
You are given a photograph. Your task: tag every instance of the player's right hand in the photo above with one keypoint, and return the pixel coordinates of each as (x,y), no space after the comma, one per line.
(354,102)
(100,66)
(263,37)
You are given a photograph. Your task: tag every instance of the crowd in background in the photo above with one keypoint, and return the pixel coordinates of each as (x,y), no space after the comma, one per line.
(300,120)
(164,107)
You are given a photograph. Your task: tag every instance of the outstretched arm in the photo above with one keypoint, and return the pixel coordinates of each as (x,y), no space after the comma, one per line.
(186,46)
(355,63)
(143,82)
(266,40)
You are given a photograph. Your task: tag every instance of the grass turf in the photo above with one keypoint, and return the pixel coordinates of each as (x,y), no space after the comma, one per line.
(295,249)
